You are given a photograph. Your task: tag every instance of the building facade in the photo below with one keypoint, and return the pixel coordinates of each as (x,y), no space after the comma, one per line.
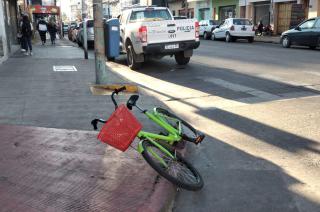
(225,9)
(280,14)
(198,9)
(8,27)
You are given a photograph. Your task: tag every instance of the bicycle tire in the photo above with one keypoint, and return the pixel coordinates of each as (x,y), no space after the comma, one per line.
(168,173)
(185,136)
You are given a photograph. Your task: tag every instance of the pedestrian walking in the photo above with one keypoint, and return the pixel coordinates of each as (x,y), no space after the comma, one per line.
(42,28)
(26,31)
(19,35)
(52,28)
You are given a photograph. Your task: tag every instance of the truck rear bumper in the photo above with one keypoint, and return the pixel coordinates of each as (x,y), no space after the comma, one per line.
(160,48)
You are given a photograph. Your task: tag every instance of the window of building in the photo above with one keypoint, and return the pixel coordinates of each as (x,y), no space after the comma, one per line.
(227,12)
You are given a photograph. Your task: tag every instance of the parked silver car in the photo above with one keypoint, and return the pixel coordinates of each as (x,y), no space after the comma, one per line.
(90,33)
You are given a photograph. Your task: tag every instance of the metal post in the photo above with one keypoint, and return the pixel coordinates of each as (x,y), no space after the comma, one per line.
(85,39)
(99,43)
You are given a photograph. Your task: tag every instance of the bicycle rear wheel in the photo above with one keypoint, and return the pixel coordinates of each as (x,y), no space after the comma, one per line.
(187,131)
(176,169)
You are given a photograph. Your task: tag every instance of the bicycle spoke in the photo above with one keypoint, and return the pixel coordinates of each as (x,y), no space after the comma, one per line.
(184,173)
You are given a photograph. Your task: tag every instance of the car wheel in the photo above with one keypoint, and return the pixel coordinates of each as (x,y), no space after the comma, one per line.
(131,58)
(181,59)
(251,39)
(228,38)
(286,42)
(312,47)
(213,36)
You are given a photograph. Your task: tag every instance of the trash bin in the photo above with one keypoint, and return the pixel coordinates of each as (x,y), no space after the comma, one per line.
(112,38)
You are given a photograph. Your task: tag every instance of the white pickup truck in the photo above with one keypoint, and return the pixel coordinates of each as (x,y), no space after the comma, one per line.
(151,32)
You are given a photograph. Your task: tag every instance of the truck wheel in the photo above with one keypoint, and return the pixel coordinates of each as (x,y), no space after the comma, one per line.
(131,58)
(111,58)
(181,59)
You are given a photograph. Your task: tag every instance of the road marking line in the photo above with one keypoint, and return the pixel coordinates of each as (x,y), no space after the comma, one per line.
(236,87)
(64,68)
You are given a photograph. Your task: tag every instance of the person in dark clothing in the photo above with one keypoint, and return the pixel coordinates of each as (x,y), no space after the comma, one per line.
(260,28)
(42,28)
(19,35)
(26,31)
(52,28)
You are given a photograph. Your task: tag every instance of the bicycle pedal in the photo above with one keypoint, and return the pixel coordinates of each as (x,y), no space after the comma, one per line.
(199,139)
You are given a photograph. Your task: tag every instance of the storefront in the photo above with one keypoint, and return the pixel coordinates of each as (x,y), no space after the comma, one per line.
(204,10)
(39,11)
(289,15)
(225,9)
(8,27)
(178,8)
(2,32)
(261,13)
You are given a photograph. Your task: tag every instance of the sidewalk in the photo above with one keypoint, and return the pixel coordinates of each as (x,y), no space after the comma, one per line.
(267,39)
(66,168)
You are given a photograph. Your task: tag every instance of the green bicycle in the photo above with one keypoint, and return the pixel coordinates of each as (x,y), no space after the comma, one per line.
(159,150)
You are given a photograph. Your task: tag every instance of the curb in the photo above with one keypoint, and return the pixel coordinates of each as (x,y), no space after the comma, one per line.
(263,41)
(161,199)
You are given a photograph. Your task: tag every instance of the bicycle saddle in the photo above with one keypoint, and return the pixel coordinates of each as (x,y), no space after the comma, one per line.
(132,101)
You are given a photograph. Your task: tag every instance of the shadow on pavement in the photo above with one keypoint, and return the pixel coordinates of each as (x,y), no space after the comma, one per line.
(222,82)
(238,181)
(268,134)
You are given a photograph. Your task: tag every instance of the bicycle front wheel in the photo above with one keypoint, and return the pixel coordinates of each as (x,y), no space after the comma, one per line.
(176,169)
(187,131)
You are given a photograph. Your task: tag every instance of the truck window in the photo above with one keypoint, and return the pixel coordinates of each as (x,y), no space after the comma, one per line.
(150,15)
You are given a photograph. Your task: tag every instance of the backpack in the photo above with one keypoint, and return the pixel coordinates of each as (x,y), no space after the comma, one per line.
(42,27)
(26,29)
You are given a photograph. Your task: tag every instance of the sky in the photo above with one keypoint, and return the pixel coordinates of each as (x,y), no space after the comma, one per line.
(65,7)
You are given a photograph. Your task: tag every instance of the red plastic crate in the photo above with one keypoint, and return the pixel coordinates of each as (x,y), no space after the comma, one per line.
(120,129)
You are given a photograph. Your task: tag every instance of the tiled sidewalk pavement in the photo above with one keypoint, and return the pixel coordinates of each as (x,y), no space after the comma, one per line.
(66,169)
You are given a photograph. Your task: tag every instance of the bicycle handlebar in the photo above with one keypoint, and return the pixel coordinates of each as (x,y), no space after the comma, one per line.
(116,91)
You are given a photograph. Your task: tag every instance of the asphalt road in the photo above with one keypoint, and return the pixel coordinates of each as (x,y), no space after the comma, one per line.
(259,107)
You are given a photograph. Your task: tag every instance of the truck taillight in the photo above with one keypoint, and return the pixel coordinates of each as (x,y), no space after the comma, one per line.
(143,34)
(196,29)
(232,28)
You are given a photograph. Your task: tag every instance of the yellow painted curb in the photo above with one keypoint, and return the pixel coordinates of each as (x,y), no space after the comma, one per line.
(107,89)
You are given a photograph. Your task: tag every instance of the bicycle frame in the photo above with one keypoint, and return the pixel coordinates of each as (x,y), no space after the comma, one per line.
(174,134)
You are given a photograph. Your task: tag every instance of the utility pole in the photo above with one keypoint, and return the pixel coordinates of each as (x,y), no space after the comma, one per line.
(99,43)
(85,40)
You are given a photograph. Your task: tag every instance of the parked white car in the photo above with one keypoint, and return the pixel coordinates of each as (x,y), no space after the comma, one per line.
(206,28)
(234,28)
(151,32)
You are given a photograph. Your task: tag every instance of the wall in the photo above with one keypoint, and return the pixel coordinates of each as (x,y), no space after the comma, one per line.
(4,49)
(200,5)
(314,8)
(175,6)
(218,3)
